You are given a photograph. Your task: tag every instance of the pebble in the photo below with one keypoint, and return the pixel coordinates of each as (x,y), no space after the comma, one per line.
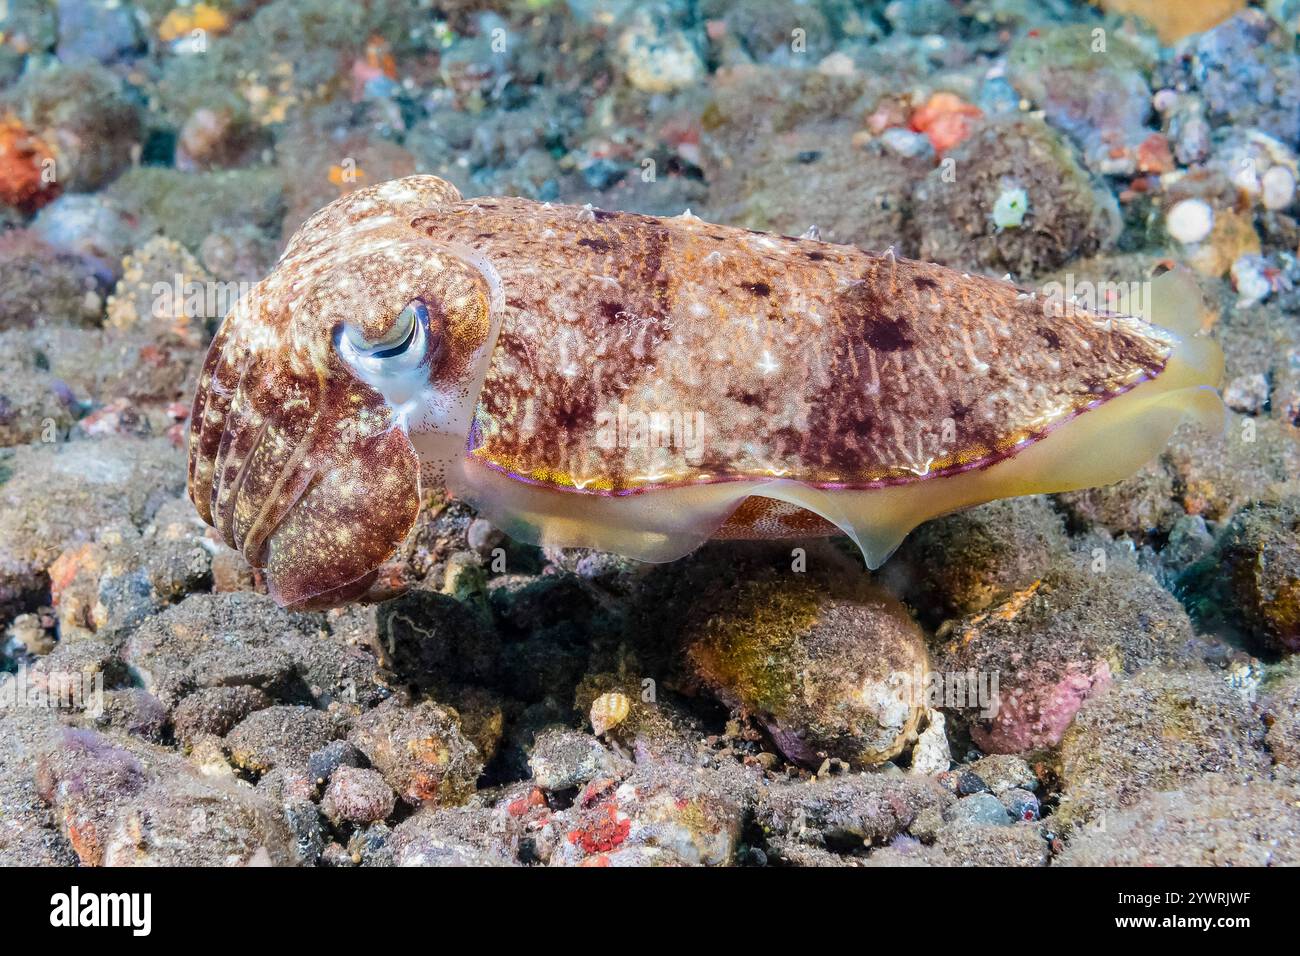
(968,782)
(1010,208)
(905,142)
(282,735)
(931,755)
(979,808)
(483,537)
(357,795)
(1190,540)
(998,97)
(104,31)
(335,754)
(1190,221)
(89,226)
(1021,804)
(1247,393)
(657,59)
(601,174)
(1250,277)
(1277,188)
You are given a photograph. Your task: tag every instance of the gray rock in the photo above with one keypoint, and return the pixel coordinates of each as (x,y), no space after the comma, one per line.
(982,808)
(562,759)
(279,736)
(100,30)
(421,751)
(215,710)
(55,496)
(357,796)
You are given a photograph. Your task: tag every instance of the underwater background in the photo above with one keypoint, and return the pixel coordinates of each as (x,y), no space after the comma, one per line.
(1097,677)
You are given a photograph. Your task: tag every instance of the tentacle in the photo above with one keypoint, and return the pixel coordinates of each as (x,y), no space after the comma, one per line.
(218,381)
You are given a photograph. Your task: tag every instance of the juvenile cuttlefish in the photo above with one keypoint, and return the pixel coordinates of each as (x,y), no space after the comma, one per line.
(639,385)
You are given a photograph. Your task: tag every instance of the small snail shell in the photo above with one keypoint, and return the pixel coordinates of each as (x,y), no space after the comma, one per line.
(608,711)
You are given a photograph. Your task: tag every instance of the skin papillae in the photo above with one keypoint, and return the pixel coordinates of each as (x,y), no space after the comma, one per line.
(639,385)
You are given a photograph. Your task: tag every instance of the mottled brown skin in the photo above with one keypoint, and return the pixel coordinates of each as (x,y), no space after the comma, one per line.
(802,360)
(870,355)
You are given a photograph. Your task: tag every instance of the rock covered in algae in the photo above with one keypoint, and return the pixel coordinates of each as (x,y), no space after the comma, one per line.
(53,496)
(161,263)
(125,575)
(87,114)
(663,814)
(964,562)
(192,206)
(123,802)
(656,725)
(279,736)
(1101,100)
(1158,731)
(1045,650)
(762,123)
(357,795)
(421,751)
(1218,473)
(450,836)
(41,285)
(962,843)
(847,812)
(1213,821)
(1281,702)
(824,665)
(1070,214)
(562,759)
(1260,550)
(215,710)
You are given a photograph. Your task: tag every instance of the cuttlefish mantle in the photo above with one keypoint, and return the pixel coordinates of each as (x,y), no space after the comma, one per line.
(639,385)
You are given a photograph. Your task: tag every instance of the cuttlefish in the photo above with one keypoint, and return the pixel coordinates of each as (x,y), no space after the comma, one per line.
(639,385)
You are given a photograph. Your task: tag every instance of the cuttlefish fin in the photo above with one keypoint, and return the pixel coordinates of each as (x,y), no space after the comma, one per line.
(1095,446)
(1174,303)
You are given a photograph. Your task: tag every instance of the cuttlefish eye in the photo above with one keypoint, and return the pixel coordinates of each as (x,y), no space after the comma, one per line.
(413,341)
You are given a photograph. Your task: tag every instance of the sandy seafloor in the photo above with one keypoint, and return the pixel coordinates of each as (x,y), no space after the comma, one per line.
(521,707)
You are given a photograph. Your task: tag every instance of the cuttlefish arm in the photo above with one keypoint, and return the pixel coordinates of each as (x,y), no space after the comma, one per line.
(638,385)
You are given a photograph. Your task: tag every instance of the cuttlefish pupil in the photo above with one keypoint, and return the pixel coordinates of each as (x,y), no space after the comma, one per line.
(401,365)
(639,385)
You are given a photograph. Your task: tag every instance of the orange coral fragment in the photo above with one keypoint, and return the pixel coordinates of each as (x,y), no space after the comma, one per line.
(1154,155)
(346,178)
(184,20)
(379,57)
(27,167)
(946,119)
